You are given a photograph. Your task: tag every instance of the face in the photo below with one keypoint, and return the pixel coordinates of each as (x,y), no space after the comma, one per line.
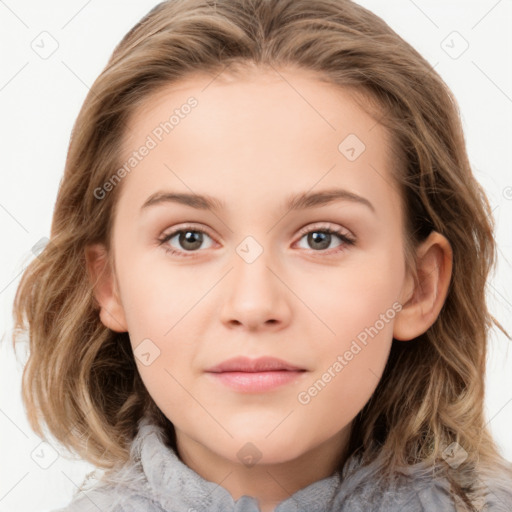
(296,254)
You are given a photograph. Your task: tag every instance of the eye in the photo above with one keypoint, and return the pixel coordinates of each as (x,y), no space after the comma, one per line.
(188,239)
(320,238)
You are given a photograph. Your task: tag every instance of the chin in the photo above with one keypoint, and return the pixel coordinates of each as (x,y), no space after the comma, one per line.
(257,449)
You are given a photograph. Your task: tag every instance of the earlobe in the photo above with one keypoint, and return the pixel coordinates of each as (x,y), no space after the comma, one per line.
(105,291)
(434,268)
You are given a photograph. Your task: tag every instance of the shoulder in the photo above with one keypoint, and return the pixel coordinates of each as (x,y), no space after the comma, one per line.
(497,486)
(491,492)
(108,499)
(418,488)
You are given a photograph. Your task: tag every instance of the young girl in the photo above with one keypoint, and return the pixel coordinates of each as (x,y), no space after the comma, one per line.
(186,335)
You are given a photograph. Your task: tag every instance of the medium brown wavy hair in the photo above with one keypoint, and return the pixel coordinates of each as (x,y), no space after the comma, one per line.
(81,379)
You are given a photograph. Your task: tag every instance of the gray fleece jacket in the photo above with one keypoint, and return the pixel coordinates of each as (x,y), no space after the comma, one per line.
(156,480)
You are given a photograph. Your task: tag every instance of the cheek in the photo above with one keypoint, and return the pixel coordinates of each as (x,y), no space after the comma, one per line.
(358,305)
(341,389)
(355,296)
(158,312)
(349,366)
(156,299)
(168,375)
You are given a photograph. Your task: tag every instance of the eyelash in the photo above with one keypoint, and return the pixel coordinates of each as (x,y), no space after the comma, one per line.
(346,239)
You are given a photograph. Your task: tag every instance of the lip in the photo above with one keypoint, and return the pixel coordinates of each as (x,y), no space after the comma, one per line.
(246,364)
(255,375)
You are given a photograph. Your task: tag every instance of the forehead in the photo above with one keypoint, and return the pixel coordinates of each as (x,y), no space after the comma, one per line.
(278,128)
(288,98)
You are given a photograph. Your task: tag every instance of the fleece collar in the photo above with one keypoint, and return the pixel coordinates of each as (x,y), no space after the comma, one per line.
(165,471)
(156,480)
(179,488)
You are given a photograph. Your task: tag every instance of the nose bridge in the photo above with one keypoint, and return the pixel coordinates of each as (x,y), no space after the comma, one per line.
(252,263)
(255,295)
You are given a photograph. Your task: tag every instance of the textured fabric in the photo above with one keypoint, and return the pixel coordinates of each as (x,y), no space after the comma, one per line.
(156,480)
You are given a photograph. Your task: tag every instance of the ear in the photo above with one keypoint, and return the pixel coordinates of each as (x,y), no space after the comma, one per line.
(105,288)
(426,297)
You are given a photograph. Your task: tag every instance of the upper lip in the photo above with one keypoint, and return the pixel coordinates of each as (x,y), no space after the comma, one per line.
(246,364)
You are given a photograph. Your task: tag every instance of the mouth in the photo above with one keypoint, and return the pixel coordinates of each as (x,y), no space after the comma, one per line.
(255,375)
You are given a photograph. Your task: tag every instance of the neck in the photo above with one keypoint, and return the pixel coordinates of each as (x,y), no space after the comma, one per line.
(270,484)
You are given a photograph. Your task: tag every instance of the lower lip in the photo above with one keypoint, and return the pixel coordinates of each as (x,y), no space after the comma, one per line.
(255,382)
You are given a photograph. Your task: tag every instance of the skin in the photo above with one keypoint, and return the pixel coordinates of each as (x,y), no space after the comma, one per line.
(252,141)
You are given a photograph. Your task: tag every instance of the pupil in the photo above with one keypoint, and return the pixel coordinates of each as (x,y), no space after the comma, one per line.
(191,237)
(323,238)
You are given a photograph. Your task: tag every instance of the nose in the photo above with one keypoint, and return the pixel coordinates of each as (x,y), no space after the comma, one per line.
(255,296)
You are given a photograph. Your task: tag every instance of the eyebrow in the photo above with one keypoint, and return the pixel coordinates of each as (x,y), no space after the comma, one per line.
(301,201)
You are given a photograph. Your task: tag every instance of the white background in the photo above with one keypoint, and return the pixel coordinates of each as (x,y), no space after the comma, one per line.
(40,99)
